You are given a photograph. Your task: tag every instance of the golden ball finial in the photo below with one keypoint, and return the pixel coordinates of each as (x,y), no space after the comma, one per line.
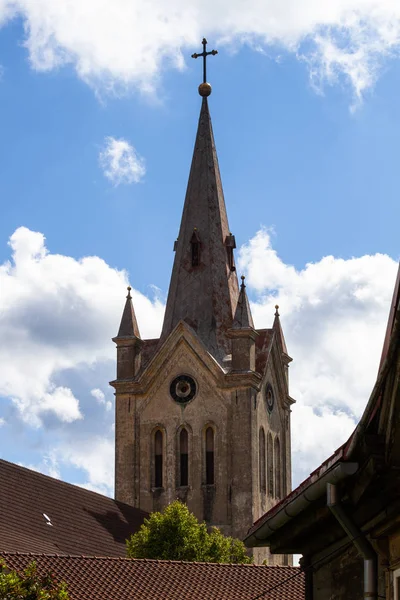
(205,89)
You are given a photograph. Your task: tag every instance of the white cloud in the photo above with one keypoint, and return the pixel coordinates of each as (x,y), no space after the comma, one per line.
(316,434)
(95,456)
(115,45)
(101,399)
(334,314)
(2,422)
(59,401)
(120,162)
(58,315)
(48,466)
(102,488)
(98,394)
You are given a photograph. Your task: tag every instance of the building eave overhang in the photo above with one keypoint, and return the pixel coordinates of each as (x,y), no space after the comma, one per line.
(299,500)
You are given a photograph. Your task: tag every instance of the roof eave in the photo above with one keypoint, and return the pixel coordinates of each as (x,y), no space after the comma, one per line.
(302,498)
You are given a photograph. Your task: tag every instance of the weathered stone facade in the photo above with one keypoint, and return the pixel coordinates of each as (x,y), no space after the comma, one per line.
(203,414)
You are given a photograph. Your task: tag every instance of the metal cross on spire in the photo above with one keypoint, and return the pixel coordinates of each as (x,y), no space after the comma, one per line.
(204,88)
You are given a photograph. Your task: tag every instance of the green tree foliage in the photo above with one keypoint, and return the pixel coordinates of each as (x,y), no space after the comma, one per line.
(176,534)
(28,585)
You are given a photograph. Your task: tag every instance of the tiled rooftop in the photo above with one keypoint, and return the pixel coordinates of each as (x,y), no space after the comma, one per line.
(82,522)
(93,578)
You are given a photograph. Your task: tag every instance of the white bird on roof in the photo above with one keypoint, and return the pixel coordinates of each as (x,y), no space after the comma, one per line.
(48,520)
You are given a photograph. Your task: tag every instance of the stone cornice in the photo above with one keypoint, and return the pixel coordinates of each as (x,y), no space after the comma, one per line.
(245,332)
(234,379)
(243,379)
(127,340)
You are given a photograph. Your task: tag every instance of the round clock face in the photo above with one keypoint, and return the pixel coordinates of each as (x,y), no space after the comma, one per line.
(183,389)
(269,397)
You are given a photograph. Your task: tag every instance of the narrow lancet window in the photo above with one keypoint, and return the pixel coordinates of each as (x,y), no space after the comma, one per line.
(195,248)
(158,459)
(184,457)
(195,254)
(261,463)
(277,456)
(270,465)
(209,456)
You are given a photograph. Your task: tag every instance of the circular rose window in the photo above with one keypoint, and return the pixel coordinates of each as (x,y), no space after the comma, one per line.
(183,389)
(269,397)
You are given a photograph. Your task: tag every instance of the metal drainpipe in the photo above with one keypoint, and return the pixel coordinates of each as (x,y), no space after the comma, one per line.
(359,540)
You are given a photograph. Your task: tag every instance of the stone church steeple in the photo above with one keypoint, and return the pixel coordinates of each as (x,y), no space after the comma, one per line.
(204,288)
(203,412)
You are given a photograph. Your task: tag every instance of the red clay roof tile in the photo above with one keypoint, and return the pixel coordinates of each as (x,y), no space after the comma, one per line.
(91,578)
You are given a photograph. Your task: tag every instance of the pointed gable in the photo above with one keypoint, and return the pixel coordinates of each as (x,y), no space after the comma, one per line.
(204,289)
(277,327)
(243,318)
(128,326)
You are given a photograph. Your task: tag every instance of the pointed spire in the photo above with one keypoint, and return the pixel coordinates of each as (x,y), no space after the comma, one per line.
(128,326)
(204,288)
(278,329)
(243,318)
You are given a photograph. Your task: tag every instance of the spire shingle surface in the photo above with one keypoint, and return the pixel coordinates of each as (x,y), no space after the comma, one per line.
(204,288)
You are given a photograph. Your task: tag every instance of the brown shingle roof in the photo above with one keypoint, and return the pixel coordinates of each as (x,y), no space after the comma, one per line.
(91,578)
(83,522)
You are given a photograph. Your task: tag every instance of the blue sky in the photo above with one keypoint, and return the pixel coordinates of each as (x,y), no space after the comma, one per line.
(281,148)
(316,168)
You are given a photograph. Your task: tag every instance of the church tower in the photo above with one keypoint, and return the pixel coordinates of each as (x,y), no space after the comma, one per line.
(203,412)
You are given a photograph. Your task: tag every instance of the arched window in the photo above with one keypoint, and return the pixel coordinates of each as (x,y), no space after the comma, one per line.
(261,461)
(209,456)
(270,465)
(158,459)
(278,475)
(184,457)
